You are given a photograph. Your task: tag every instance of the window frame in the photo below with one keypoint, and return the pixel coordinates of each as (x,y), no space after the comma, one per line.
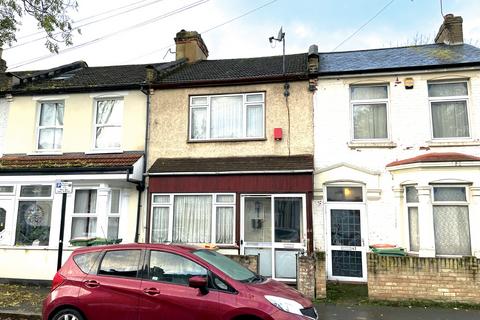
(450,99)
(96,125)
(465,203)
(409,205)
(353,103)
(110,214)
(73,214)
(38,128)
(207,106)
(215,205)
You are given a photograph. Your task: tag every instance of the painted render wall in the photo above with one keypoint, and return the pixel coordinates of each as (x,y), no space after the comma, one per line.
(78,121)
(170,120)
(409,124)
(4,108)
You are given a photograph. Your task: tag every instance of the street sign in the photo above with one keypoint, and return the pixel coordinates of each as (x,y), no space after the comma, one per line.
(63,187)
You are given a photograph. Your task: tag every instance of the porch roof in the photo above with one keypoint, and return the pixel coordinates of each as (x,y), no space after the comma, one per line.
(76,161)
(436,157)
(252,164)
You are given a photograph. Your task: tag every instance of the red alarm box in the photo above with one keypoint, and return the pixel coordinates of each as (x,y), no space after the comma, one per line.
(277,134)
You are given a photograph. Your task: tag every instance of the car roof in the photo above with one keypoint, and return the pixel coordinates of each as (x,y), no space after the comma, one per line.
(170,247)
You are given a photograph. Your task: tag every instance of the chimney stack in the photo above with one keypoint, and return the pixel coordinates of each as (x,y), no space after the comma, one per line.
(451,30)
(190,45)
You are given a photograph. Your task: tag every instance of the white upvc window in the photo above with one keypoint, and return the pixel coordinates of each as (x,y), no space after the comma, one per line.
(113,214)
(193,218)
(369,107)
(50,125)
(34,215)
(451,220)
(449,109)
(227,117)
(108,123)
(84,217)
(411,201)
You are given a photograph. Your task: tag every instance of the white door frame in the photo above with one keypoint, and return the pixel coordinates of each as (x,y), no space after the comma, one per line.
(6,236)
(364,241)
(300,246)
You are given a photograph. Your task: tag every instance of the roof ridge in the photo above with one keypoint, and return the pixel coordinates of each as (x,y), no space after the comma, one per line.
(401,47)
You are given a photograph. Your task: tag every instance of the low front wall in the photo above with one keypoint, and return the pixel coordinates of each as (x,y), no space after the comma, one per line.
(248,261)
(311,276)
(414,278)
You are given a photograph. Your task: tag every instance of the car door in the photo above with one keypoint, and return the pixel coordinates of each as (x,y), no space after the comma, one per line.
(114,291)
(166,294)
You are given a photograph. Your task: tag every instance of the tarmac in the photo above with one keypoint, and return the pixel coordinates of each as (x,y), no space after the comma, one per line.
(338,312)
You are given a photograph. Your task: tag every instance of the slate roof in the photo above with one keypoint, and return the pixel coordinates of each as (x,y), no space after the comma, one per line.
(436,157)
(231,70)
(232,164)
(74,160)
(413,57)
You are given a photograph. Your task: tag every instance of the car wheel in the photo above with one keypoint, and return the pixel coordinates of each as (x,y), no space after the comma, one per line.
(68,314)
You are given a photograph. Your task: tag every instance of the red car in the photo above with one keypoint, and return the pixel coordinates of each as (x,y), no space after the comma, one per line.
(153,281)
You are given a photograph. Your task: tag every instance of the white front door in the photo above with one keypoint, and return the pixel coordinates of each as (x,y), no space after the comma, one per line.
(346,242)
(274,227)
(6,221)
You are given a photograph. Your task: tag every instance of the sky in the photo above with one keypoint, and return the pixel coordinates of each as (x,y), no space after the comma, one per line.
(141,31)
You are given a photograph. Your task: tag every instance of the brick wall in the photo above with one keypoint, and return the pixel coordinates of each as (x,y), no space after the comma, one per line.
(414,278)
(250,262)
(320,276)
(311,275)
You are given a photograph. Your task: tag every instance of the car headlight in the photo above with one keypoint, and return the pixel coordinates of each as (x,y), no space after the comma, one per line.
(286,305)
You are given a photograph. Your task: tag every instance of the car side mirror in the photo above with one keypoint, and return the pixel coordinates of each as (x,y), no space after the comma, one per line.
(198,282)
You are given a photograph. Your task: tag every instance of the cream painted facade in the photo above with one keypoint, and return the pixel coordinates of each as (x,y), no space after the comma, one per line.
(169,123)
(79,120)
(342,161)
(114,208)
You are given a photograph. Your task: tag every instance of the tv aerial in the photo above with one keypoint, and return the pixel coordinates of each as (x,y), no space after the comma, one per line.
(281,38)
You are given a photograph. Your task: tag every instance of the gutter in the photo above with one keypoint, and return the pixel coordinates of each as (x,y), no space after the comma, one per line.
(227,172)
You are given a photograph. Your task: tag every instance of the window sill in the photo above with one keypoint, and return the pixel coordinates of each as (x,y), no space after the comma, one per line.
(226,140)
(45,153)
(100,151)
(450,143)
(372,144)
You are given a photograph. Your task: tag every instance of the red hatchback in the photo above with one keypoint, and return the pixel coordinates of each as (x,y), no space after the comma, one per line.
(149,281)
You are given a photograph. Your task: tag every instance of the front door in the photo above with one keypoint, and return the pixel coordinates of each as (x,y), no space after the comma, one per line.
(346,241)
(274,227)
(6,221)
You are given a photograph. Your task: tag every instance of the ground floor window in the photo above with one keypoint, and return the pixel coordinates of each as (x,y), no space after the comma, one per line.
(193,218)
(34,215)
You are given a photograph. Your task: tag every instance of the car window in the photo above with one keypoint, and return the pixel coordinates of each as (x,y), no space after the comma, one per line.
(120,263)
(169,267)
(86,261)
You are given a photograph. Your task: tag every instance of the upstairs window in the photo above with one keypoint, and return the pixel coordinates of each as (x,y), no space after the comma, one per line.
(108,123)
(369,112)
(50,126)
(448,104)
(238,116)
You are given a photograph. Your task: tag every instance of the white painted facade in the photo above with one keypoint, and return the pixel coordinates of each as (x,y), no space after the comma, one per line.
(342,160)
(4,109)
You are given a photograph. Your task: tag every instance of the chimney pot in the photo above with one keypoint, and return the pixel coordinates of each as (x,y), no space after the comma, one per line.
(451,30)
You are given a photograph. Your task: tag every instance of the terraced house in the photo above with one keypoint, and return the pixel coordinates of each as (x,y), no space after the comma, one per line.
(77,124)
(230,155)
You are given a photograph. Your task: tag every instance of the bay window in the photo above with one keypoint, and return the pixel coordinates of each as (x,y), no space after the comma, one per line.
(50,126)
(451,220)
(369,112)
(34,215)
(193,218)
(108,123)
(236,116)
(448,105)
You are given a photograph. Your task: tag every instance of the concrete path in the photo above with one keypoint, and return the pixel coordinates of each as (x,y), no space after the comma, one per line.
(369,312)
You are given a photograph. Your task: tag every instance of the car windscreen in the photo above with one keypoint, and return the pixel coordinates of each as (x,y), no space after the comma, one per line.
(226,265)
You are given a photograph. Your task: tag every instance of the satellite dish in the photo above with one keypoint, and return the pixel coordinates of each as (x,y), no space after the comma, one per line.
(280,34)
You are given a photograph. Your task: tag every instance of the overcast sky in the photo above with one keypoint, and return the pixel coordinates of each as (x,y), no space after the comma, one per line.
(135,31)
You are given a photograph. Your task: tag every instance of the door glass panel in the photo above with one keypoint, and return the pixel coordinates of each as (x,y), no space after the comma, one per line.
(347,263)
(345,194)
(345,228)
(288,219)
(265,259)
(286,264)
(3,219)
(258,219)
